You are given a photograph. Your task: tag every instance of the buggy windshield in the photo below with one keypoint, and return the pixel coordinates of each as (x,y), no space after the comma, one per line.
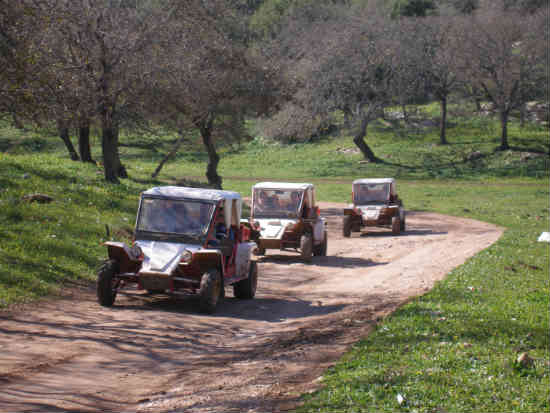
(277,203)
(179,217)
(371,193)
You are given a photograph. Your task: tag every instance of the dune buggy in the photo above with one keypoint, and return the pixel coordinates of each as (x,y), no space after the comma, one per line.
(375,204)
(284,217)
(186,241)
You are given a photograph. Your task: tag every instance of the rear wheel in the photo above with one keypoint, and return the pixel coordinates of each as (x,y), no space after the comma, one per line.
(210,290)
(321,249)
(246,289)
(347,226)
(396,225)
(107,283)
(306,247)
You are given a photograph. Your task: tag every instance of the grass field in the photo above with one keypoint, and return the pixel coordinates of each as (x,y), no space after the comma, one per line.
(453,349)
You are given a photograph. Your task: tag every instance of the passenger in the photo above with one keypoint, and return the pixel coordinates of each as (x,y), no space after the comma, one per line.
(294,201)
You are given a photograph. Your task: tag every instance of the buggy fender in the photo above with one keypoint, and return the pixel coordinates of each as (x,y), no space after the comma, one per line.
(351,211)
(129,258)
(207,259)
(242,258)
(319,230)
(355,216)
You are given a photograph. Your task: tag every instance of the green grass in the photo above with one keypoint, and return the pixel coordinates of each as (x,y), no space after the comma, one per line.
(44,247)
(453,349)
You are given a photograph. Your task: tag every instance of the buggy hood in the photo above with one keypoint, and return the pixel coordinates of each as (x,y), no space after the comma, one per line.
(162,257)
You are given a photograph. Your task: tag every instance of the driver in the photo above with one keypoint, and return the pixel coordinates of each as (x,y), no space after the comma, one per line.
(294,201)
(266,202)
(182,221)
(363,193)
(165,216)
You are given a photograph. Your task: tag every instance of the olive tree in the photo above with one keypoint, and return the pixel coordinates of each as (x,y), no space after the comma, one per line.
(503,53)
(355,72)
(210,81)
(437,46)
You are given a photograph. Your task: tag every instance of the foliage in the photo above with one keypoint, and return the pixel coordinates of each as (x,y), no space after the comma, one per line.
(412,8)
(272,16)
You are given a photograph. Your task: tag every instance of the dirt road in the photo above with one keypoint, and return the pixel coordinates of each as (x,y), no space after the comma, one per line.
(158,354)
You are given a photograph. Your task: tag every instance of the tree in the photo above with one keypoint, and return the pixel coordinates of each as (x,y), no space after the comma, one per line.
(437,46)
(353,70)
(96,53)
(210,81)
(503,53)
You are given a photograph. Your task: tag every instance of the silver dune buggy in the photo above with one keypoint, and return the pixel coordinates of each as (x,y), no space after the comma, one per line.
(284,217)
(375,204)
(186,241)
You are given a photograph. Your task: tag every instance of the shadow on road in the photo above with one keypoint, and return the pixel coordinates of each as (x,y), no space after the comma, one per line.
(402,234)
(328,261)
(272,310)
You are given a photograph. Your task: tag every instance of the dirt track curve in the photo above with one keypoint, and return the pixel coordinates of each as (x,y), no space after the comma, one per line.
(159,354)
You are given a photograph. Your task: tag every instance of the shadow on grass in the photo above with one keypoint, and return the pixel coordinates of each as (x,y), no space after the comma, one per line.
(41,271)
(458,326)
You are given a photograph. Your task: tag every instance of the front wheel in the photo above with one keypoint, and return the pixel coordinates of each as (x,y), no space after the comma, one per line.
(403,222)
(396,225)
(306,247)
(210,290)
(321,249)
(246,289)
(107,283)
(347,226)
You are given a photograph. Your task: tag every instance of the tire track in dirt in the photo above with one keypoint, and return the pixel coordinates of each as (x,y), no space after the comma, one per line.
(159,354)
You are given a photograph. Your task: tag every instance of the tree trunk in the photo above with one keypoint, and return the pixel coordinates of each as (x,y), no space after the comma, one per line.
(120,168)
(405,113)
(169,155)
(504,135)
(214,179)
(347,118)
(110,149)
(84,142)
(16,122)
(478,104)
(522,115)
(477,99)
(64,135)
(361,144)
(443,124)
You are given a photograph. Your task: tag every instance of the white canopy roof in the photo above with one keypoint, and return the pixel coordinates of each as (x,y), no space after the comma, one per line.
(283,185)
(192,193)
(374,181)
(232,200)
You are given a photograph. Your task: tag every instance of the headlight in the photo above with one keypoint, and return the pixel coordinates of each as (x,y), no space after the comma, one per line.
(186,256)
